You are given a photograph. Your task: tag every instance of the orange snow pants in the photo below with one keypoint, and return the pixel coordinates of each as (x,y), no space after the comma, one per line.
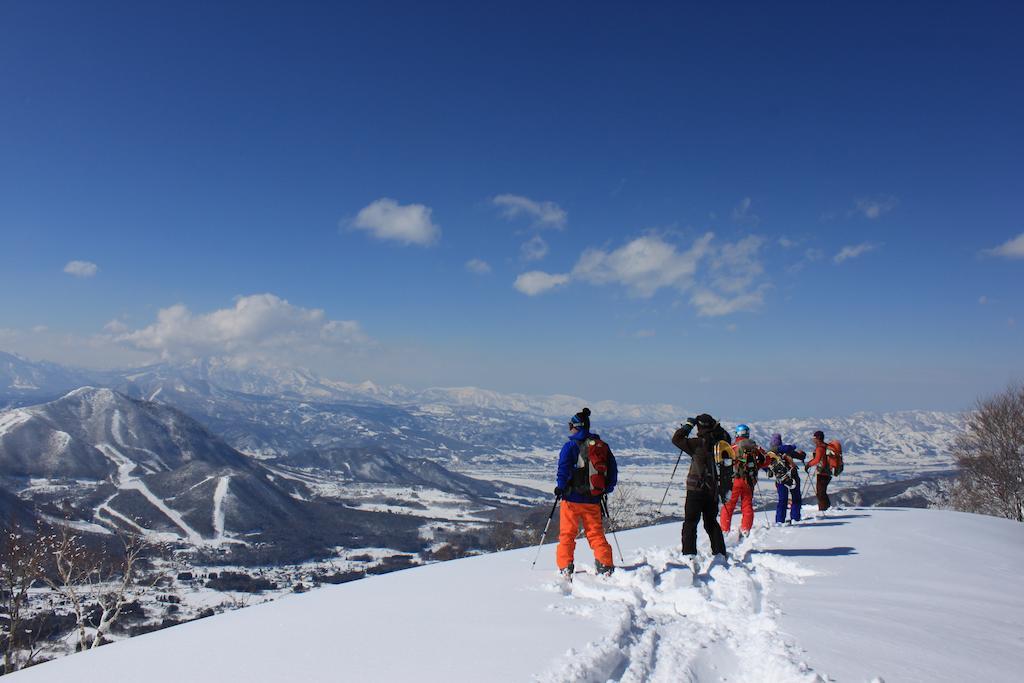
(569,519)
(741,492)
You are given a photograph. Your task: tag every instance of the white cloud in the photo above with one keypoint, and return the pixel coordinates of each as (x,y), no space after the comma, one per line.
(386,219)
(257,325)
(742,214)
(736,265)
(853,251)
(643,265)
(544,214)
(873,208)
(710,304)
(81,268)
(536,282)
(787,243)
(1013,248)
(534,249)
(478,266)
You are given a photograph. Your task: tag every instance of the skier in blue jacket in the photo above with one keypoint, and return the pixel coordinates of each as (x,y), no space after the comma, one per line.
(579,507)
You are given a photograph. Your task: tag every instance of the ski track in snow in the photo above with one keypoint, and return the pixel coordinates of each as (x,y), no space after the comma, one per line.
(668,624)
(126,481)
(218,506)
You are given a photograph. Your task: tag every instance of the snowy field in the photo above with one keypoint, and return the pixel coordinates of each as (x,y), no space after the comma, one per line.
(860,595)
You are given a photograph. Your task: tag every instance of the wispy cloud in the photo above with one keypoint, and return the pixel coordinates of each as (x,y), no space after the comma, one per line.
(711,304)
(873,208)
(644,334)
(1013,248)
(81,268)
(536,282)
(853,251)
(478,266)
(743,215)
(544,214)
(388,220)
(534,249)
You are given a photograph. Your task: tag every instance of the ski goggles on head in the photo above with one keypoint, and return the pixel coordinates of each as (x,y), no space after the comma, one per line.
(573,424)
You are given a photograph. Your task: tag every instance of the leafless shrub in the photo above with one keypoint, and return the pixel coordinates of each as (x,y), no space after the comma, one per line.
(990,456)
(22,561)
(95,585)
(626,508)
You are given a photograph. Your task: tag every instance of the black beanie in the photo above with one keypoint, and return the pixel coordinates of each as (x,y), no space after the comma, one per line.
(583,417)
(820,435)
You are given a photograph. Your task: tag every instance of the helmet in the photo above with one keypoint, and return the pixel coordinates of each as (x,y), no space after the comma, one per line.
(742,430)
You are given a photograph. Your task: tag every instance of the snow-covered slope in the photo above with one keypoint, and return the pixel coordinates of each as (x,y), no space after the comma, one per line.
(898,594)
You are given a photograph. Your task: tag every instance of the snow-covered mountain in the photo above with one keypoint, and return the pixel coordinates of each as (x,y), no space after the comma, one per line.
(104,458)
(862,595)
(23,382)
(272,412)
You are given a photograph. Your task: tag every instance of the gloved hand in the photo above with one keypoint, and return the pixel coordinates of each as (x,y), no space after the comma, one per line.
(558,492)
(807,469)
(692,421)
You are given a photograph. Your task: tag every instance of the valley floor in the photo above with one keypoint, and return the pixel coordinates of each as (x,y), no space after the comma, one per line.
(861,594)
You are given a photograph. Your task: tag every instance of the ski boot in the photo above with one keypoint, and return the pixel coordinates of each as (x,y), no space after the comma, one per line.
(603,569)
(566,573)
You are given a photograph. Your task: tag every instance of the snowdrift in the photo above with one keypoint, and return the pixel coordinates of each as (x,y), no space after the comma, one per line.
(897,594)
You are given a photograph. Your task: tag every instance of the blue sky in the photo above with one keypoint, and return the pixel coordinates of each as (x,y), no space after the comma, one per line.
(806,209)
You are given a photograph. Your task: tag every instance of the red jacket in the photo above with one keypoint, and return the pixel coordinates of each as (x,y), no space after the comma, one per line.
(827,461)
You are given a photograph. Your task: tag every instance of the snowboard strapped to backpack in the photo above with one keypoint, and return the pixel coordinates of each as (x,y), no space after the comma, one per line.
(590,476)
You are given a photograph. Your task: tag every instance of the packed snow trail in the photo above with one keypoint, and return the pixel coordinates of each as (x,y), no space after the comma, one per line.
(671,625)
(895,594)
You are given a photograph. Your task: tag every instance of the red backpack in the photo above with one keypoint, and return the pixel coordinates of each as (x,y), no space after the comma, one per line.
(590,477)
(834,451)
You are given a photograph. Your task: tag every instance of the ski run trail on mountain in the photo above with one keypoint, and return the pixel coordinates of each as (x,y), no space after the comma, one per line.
(862,595)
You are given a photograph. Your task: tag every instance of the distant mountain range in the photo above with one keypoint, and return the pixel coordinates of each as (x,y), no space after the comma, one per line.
(99,457)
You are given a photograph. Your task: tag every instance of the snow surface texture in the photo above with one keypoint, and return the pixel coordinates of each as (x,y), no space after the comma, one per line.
(860,595)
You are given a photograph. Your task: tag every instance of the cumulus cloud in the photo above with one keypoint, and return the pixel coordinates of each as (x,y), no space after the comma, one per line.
(853,251)
(81,268)
(643,265)
(728,274)
(1013,248)
(478,266)
(534,249)
(257,325)
(544,214)
(873,208)
(386,219)
(536,282)
(743,215)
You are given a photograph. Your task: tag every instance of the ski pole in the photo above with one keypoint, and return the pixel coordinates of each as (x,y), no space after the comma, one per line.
(545,533)
(757,488)
(604,508)
(658,513)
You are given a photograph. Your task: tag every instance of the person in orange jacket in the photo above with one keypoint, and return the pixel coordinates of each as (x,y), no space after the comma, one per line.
(749,457)
(825,464)
(579,507)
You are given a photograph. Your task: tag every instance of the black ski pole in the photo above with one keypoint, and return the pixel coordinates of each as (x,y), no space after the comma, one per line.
(658,513)
(757,488)
(604,508)
(543,535)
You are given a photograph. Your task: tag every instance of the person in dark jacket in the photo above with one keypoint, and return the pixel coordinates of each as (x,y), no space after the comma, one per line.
(701,481)
(789,454)
(579,507)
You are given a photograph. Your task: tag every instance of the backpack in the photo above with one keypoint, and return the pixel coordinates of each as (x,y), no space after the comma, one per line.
(590,476)
(835,456)
(745,464)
